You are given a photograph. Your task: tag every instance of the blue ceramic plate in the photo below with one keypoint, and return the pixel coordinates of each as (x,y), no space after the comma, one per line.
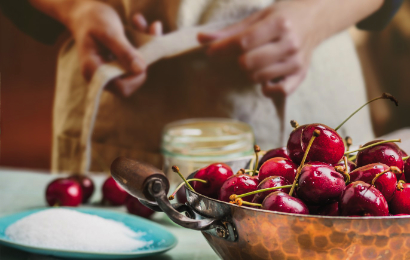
(162,239)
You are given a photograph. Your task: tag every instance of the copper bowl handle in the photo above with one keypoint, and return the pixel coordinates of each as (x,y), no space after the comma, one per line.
(150,185)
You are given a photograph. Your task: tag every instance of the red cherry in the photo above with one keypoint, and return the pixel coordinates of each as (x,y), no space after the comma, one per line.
(181,195)
(215,175)
(113,193)
(294,146)
(270,182)
(328,147)
(403,153)
(386,183)
(387,153)
(400,203)
(406,170)
(282,202)
(331,209)
(64,192)
(278,167)
(362,199)
(134,206)
(238,184)
(320,184)
(87,185)
(278,152)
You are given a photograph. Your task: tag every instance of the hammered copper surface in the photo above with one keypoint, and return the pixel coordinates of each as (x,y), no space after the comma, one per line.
(270,235)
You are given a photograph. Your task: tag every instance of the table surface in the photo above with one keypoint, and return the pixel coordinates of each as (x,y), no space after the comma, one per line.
(24,190)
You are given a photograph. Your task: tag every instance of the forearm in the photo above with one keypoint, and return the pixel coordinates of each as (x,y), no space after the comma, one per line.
(333,16)
(61,10)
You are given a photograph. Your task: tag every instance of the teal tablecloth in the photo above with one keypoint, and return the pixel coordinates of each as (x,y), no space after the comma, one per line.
(24,190)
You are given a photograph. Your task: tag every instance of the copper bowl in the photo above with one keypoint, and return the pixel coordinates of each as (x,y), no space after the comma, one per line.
(237,232)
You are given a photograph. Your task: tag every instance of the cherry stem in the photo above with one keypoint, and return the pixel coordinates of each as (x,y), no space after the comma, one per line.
(246,171)
(406,158)
(294,124)
(375,144)
(256,149)
(392,169)
(349,142)
(240,202)
(399,185)
(316,133)
(353,158)
(176,170)
(346,172)
(383,96)
(234,196)
(172,196)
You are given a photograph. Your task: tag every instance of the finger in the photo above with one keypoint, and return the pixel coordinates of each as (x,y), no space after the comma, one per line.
(89,58)
(267,54)
(139,22)
(127,85)
(278,70)
(258,34)
(285,86)
(126,54)
(206,37)
(155,28)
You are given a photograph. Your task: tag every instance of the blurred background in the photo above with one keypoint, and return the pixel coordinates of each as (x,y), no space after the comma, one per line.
(28,75)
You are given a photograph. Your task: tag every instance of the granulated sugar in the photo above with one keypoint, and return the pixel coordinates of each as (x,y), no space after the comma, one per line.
(72,230)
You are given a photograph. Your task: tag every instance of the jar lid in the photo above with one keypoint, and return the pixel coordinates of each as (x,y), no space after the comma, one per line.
(207,138)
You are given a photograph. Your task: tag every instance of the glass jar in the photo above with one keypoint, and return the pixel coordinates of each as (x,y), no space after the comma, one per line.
(194,143)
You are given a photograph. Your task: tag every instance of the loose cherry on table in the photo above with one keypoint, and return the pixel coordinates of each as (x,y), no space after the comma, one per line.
(277,152)
(87,185)
(388,153)
(278,167)
(385,182)
(214,175)
(362,199)
(64,192)
(400,203)
(135,207)
(271,182)
(112,192)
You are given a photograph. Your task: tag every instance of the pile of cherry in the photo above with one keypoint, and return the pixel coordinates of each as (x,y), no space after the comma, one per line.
(77,189)
(315,174)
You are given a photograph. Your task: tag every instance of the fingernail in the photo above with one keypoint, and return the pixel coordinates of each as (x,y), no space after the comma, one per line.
(138,66)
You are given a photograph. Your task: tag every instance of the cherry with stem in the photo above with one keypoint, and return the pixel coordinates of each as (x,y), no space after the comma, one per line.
(393,169)
(172,196)
(233,197)
(344,170)
(316,133)
(176,170)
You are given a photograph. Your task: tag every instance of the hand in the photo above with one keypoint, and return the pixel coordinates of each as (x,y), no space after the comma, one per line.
(273,46)
(100,37)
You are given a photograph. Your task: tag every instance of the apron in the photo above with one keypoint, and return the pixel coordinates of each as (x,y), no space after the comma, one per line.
(91,127)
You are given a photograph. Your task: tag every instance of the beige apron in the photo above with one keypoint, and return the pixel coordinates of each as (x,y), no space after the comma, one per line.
(92,127)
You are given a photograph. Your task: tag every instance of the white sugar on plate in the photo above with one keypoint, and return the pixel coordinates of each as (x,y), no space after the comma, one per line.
(72,230)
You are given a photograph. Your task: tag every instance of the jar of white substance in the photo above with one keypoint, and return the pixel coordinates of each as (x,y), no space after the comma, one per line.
(195,143)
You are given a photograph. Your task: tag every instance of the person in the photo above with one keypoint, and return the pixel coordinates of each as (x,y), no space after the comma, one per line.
(296,49)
